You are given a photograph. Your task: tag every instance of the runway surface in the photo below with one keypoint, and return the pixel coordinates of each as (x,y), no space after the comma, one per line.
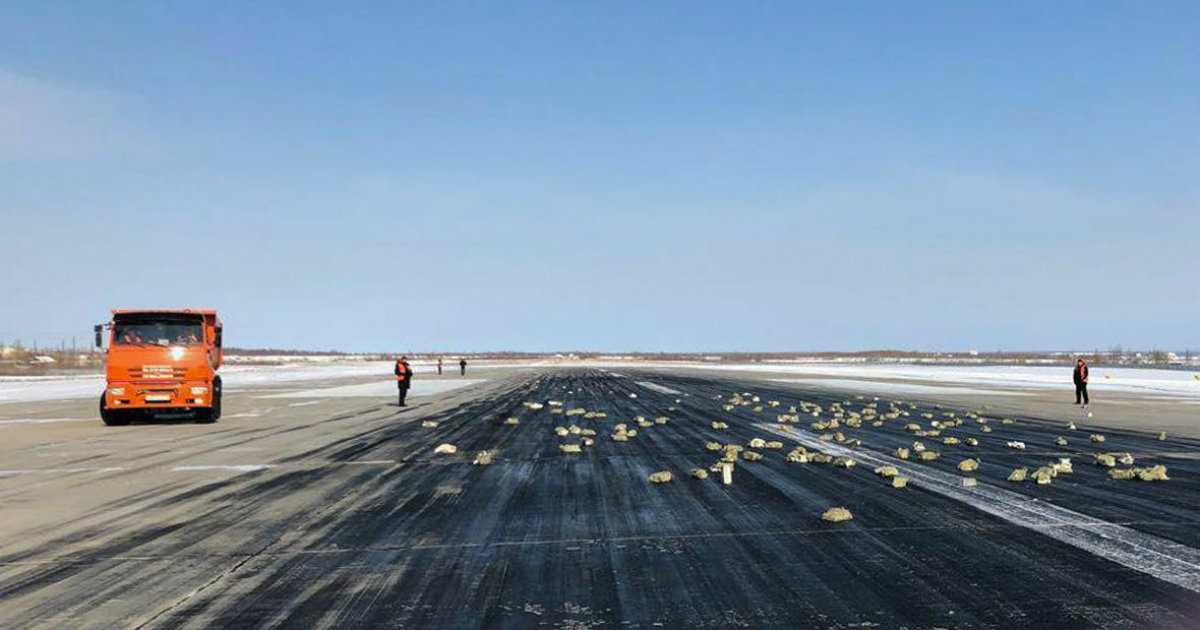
(308,511)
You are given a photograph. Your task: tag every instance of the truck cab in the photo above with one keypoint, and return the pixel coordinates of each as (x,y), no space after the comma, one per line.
(161,362)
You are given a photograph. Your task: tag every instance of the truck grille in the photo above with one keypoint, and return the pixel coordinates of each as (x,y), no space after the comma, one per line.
(157,371)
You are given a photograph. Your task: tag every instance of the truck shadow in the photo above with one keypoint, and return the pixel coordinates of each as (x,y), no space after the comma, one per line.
(172,418)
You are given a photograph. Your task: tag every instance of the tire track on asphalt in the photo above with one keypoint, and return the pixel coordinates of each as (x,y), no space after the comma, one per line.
(581,539)
(1166,560)
(223,513)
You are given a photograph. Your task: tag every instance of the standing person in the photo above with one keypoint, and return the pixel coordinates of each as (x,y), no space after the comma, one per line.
(1081,381)
(439,366)
(462,367)
(404,373)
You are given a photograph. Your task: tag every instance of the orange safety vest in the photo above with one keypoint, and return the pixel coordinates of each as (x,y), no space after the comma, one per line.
(401,370)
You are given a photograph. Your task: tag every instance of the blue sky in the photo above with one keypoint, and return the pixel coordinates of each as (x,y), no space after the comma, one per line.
(611,176)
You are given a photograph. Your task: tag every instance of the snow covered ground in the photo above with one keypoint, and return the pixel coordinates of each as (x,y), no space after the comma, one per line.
(1174,383)
(243,377)
(879,387)
(1181,385)
(876,377)
(380,388)
(234,377)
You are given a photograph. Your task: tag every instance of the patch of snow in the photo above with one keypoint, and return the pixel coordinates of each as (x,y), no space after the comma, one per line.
(885,387)
(25,389)
(233,377)
(1144,381)
(380,388)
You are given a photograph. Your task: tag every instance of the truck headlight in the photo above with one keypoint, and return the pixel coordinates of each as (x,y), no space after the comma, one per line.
(116,391)
(199,390)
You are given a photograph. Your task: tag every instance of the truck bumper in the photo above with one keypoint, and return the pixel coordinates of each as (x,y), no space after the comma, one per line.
(151,396)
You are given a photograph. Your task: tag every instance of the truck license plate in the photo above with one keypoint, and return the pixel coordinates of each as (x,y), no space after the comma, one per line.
(158,398)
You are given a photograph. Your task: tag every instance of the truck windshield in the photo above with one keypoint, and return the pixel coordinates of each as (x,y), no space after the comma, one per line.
(158,334)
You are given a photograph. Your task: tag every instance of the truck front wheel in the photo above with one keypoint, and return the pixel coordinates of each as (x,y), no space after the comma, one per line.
(112,417)
(213,413)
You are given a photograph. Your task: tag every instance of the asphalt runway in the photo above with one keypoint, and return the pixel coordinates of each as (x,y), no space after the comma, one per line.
(337,513)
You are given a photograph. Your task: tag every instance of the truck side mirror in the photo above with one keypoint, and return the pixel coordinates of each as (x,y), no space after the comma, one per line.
(217,339)
(99,329)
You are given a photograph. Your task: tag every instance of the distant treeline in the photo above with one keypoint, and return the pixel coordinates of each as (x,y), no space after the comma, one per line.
(258,352)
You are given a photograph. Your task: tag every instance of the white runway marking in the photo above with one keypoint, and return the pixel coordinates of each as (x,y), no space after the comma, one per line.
(305,404)
(51,471)
(1166,560)
(44,420)
(655,387)
(231,468)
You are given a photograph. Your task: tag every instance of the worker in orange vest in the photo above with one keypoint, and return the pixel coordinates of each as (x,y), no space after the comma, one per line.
(1081,381)
(404,373)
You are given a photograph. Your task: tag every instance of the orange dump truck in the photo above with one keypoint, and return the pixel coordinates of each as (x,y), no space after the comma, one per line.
(161,362)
